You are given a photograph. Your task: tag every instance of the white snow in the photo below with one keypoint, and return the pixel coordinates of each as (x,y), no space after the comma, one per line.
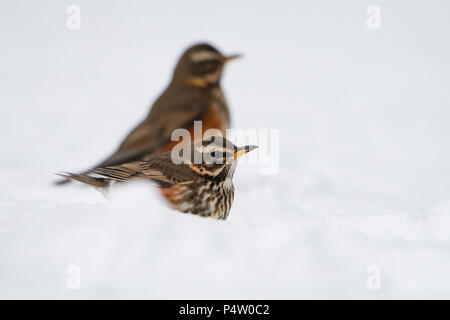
(364,173)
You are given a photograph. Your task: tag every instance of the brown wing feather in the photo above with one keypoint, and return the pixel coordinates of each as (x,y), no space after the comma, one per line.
(158,168)
(175,108)
(84,178)
(120,173)
(171,111)
(161,168)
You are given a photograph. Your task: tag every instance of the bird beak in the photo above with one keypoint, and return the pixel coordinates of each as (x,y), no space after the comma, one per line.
(233,57)
(243,150)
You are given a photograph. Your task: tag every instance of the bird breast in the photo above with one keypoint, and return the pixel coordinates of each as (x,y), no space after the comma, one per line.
(207,199)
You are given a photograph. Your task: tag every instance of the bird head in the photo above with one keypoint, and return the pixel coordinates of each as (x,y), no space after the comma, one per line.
(216,157)
(201,66)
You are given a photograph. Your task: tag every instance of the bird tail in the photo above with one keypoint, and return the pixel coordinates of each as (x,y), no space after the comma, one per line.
(98,182)
(103,177)
(107,164)
(61,182)
(69,177)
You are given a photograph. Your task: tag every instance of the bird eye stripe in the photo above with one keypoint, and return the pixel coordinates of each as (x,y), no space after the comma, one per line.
(204,56)
(211,148)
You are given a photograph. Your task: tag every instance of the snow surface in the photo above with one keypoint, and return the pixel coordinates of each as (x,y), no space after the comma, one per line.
(364,151)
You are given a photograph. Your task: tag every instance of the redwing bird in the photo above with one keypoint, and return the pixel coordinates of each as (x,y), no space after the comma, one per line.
(194,94)
(201,184)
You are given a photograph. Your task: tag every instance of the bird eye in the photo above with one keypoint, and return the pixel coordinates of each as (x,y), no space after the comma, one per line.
(209,66)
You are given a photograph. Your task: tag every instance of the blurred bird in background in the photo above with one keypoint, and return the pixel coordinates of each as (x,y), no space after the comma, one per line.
(194,94)
(203,187)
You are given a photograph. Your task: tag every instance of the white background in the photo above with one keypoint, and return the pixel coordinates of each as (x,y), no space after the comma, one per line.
(364,150)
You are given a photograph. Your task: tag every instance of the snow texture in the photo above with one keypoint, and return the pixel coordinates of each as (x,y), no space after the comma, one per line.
(364,158)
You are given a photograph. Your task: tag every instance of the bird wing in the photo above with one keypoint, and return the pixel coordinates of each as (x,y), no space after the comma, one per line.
(170,112)
(159,168)
(121,172)
(175,108)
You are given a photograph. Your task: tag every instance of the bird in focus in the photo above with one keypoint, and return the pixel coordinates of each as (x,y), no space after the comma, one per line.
(201,183)
(194,94)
